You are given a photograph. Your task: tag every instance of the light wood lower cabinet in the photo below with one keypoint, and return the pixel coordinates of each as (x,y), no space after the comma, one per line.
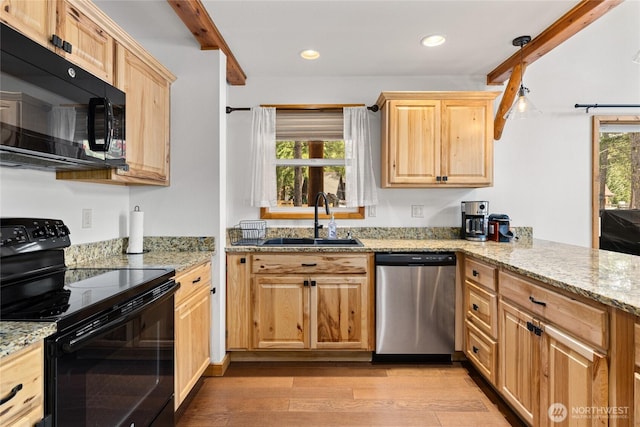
(481,317)
(192,328)
(519,355)
(310,312)
(550,376)
(299,302)
(21,376)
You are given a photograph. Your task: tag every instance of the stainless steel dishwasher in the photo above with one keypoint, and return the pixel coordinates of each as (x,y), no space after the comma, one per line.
(415,306)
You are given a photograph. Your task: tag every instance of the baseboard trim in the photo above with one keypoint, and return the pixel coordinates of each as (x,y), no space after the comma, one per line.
(217,369)
(300,356)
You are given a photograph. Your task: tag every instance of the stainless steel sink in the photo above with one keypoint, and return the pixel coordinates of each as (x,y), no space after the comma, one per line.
(308,241)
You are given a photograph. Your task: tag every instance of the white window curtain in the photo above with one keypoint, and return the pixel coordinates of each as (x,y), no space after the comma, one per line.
(263,157)
(359,178)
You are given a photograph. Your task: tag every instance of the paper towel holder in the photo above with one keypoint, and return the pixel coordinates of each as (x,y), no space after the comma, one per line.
(138,238)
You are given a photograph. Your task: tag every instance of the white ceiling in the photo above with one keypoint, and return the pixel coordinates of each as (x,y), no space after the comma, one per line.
(356,37)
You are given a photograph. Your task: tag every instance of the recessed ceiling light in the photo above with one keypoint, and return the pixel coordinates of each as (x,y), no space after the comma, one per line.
(310,54)
(433,40)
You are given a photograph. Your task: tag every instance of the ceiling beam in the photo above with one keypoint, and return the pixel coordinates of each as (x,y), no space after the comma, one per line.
(507,100)
(583,14)
(195,17)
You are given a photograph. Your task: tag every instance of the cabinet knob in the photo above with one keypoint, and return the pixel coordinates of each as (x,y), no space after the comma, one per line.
(475,349)
(243,260)
(313,283)
(475,273)
(475,307)
(306,283)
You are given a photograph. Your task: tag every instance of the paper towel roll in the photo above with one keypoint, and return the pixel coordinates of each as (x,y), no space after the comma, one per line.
(136,231)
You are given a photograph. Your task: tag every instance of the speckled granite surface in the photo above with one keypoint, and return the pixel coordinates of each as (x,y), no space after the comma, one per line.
(89,252)
(524,234)
(178,260)
(15,336)
(608,277)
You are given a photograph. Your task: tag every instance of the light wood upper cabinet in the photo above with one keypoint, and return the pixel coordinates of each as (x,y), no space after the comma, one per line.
(92,46)
(148,118)
(89,42)
(34,18)
(437,138)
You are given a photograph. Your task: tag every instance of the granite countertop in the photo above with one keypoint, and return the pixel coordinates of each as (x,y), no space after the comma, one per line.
(15,336)
(178,260)
(608,277)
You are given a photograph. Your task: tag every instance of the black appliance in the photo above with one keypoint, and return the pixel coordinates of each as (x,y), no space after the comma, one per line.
(111,361)
(620,230)
(54,114)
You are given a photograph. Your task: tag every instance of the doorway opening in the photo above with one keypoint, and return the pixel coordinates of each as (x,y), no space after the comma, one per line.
(616,183)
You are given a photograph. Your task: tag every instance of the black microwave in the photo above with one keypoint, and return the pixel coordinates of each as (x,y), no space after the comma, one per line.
(53,114)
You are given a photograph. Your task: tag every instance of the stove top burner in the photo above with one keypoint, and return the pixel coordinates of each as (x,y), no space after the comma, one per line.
(76,292)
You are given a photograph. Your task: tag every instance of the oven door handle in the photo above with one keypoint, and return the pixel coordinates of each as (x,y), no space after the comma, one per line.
(74,343)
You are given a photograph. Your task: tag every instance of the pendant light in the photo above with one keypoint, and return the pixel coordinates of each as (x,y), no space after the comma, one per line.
(522,108)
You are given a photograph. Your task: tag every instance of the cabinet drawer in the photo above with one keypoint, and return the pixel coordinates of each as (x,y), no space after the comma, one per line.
(192,280)
(480,273)
(584,321)
(309,263)
(482,351)
(481,308)
(26,368)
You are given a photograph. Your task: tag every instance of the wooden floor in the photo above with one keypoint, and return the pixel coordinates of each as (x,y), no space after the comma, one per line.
(345,394)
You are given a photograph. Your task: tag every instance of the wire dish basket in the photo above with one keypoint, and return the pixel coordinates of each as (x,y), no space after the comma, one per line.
(248,233)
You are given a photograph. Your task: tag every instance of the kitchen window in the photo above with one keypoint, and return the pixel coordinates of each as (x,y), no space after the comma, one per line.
(311,155)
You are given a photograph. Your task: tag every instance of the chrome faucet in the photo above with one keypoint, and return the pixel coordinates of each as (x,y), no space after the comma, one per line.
(316,226)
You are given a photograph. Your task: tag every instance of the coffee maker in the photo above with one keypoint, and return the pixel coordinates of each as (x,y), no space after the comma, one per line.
(475,221)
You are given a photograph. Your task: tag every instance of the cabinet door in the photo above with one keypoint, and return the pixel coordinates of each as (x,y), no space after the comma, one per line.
(339,317)
(147,118)
(238,302)
(573,375)
(280,312)
(412,151)
(519,356)
(467,142)
(192,318)
(33,18)
(92,47)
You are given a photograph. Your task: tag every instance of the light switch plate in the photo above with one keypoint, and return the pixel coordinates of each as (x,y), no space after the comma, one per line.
(87,218)
(371,211)
(417,211)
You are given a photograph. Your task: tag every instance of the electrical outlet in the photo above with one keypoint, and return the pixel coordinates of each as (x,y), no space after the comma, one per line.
(87,218)
(417,211)
(371,211)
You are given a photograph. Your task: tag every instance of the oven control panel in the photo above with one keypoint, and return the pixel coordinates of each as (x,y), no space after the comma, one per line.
(20,235)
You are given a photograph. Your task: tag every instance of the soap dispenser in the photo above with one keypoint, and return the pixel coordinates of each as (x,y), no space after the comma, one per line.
(333,228)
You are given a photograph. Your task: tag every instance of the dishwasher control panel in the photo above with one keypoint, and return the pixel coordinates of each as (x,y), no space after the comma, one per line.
(426,258)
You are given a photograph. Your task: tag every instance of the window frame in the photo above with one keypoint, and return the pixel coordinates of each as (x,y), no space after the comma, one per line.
(308,212)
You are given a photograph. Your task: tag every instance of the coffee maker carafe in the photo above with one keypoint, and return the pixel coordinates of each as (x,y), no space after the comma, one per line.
(475,221)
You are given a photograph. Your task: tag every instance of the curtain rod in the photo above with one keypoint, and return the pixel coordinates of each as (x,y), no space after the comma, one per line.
(373,107)
(588,106)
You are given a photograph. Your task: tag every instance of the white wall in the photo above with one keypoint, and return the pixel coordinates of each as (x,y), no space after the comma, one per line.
(542,166)
(30,193)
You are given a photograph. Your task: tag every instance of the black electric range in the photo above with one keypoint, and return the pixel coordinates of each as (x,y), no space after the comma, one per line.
(114,325)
